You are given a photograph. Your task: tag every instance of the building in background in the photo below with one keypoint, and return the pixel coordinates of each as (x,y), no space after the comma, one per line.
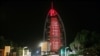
(1,52)
(45,47)
(23,51)
(19,51)
(5,51)
(54,31)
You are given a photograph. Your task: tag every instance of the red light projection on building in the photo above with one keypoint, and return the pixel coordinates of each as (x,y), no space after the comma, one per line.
(52,12)
(55,34)
(54,31)
(54,28)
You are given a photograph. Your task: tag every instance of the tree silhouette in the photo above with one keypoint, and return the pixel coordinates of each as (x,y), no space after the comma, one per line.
(79,41)
(2,41)
(86,41)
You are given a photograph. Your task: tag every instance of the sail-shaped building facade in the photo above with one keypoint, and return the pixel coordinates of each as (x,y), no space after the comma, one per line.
(54,30)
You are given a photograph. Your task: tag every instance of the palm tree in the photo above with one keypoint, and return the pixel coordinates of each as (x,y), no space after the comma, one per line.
(79,41)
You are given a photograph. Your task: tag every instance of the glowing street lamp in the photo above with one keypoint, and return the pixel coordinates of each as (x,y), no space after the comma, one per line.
(24,50)
(41,44)
(65,51)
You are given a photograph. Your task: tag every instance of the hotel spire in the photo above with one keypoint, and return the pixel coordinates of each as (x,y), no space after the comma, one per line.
(52,5)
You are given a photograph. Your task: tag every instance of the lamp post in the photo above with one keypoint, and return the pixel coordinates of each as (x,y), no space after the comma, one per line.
(65,51)
(24,51)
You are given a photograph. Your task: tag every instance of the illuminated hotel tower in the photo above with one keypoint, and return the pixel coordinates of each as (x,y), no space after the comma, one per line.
(54,30)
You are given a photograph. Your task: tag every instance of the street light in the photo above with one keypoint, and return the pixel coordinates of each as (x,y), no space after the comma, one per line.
(41,44)
(23,50)
(65,51)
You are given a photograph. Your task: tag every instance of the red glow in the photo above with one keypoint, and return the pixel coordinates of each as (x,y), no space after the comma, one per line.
(52,12)
(55,34)
(55,44)
(54,28)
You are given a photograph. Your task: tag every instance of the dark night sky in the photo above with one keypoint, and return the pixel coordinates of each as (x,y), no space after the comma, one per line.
(23,21)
